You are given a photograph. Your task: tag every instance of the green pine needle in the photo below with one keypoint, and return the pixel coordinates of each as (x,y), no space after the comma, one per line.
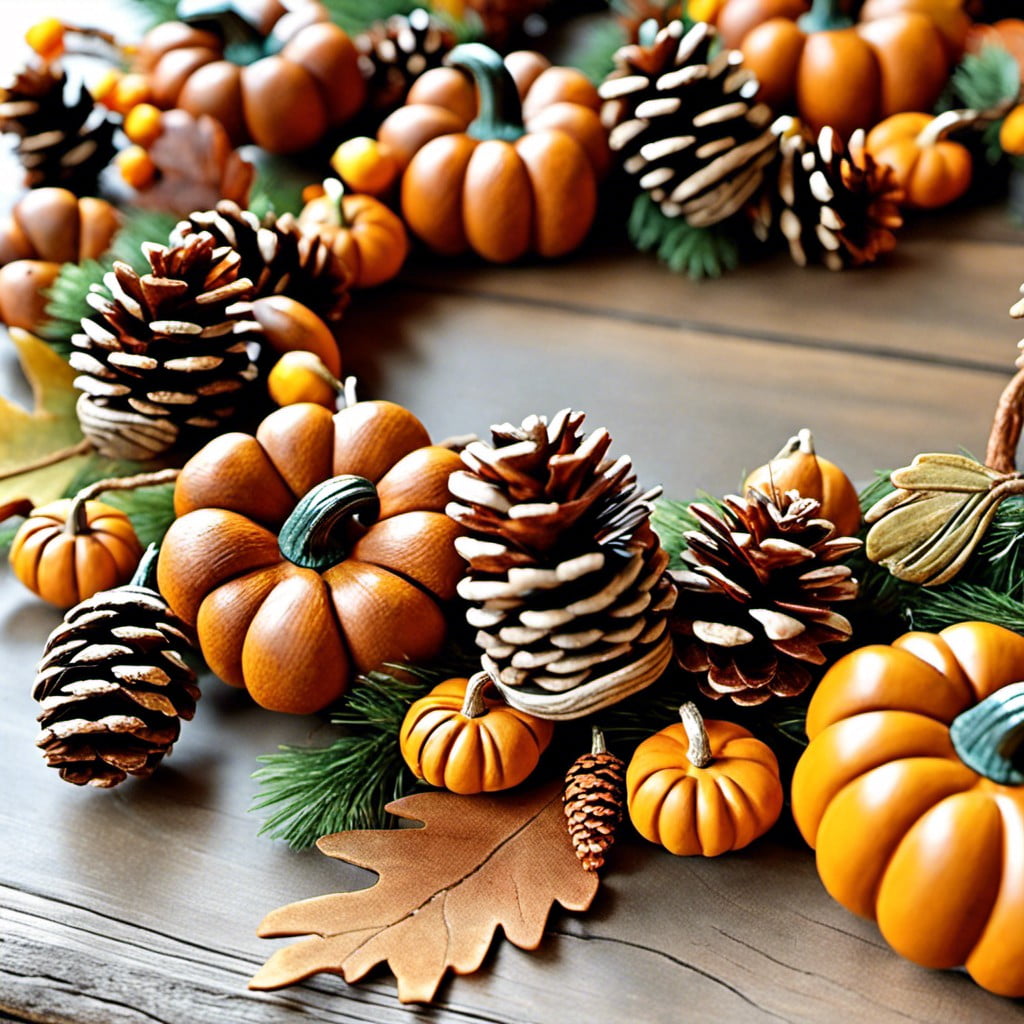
(356,16)
(150,509)
(157,11)
(594,52)
(983,80)
(696,252)
(960,601)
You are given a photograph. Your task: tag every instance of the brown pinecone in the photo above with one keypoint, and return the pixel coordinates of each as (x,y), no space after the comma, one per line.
(593,800)
(395,52)
(566,578)
(832,204)
(114,685)
(755,605)
(276,256)
(165,353)
(62,143)
(686,125)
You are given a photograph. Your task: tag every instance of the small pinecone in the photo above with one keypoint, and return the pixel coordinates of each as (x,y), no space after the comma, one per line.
(167,352)
(276,256)
(62,143)
(566,578)
(831,203)
(755,605)
(395,52)
(686,125)
(593,800)
(114,686)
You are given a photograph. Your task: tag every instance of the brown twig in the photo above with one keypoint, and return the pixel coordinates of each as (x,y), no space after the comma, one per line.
(82,448)
(77,522)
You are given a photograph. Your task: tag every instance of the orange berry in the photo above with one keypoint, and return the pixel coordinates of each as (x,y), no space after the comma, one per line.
(143,124)
(105,88)
(365,165)
(136,167)
(1011,132)
(300,376)
(131,90)
(46,37)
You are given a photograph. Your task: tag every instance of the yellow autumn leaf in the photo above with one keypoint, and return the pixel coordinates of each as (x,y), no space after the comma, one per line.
(50,428)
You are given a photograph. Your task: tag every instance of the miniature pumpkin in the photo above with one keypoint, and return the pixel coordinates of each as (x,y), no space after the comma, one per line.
(300,376)
(1011,131)
(364,234)
(799,468)
(280,77)
(365,165)
(313,550)
(286,325)
(45,229)
(912,792)
(703,786)
(496,186)
(68,550)
(458,739)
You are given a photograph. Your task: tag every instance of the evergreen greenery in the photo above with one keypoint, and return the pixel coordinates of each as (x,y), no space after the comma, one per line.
(696,252)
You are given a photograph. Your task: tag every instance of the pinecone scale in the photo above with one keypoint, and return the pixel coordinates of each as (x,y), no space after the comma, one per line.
(593,800)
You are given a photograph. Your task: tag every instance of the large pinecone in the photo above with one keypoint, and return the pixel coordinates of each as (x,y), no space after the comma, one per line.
(276,256)
(62,143)
(593,801)
(755,605)
(566,578)
(114,686)
(686,125)
(395,52)
(166,353)
(831,203)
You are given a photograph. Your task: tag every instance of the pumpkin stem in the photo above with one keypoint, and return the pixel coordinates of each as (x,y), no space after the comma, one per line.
(824,16)
(78,522)
(312,536)
(473,705)
(348,393)
(1003,438)
(244,43)
(334,191)
(989,737)
(699,752)
(501,113)
(597,744)
(145,571)
(943,124)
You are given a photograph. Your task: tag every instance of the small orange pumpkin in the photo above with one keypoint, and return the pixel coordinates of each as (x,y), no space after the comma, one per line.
(300,376)
(912,794)
(703,786)
(364,234)
(316,549)
(70,549)
(460,740)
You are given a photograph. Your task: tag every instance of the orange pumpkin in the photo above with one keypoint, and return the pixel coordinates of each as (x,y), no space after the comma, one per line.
(458,739)
(68,550)
(364,234)
(278,76)
(703,786)
(288,326)
(48,227)
(911,792)
(313,550)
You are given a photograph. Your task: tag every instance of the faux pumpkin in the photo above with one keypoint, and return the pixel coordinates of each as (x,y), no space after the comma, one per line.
(845,75)
(504,185)
(316,549)
(798,467)
(277,76)
(912,792)
(68,550)
(458,739)
(703,786)
(48,227)
(288,326)
(300,376)
(365,235)
(930,169)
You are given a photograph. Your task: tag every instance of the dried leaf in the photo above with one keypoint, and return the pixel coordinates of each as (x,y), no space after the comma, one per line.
(478,863)
(51,427)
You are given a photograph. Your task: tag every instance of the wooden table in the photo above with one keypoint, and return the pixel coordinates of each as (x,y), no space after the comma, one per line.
(140,904)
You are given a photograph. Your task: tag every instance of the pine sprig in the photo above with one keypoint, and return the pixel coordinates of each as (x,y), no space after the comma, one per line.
(356,16)
(150,509)
(960,601)
(594,53)
(983,80)
(696,252)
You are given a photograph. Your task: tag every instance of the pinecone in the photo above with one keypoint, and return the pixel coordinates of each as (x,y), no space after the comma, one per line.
(114,686)
(62,143)
(395,52)
(276,256)
(566,579)
(831,203)
(593,799)
(686,125)
(757,606)
(167,352)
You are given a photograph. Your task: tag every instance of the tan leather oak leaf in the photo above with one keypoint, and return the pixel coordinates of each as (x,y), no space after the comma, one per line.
(478,863)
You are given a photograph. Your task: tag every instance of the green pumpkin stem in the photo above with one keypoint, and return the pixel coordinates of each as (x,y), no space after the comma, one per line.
(989,737)
(501,114)
(145,571)
(699,751)
(824,16)
(334,192)
(311,536)
(473,704)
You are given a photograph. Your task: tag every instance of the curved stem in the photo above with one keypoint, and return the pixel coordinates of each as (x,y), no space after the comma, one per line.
(501,114)
(82,448)
(597,744)
(989,737)
(824,16)
(949,121)
(145,571)
(334,192)
(699,752)
(78,520)
(473,704)
(1003,438)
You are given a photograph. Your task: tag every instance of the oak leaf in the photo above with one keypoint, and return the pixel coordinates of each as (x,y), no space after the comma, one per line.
(478,863)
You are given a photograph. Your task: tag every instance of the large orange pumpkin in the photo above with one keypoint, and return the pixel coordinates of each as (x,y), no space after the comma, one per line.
(912,792)
(316,549)
(278,76)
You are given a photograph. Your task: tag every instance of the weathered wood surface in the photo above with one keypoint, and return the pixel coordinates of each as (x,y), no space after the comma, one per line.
(139,905)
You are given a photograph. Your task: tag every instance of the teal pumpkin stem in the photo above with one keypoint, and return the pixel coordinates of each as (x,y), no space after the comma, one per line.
(314,535)
(501,114)
(824,16)
(145,571)
(233,22)
(989,737)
